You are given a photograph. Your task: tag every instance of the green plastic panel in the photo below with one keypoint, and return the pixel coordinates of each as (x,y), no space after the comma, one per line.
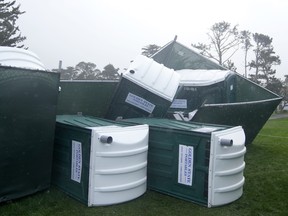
(86,97)
(28,100)
(62,160)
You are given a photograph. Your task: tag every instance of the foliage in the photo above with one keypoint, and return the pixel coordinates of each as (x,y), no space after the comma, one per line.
(265,58)
(9,31)
(88,71)
(149,50)
(245,38)
(265,189)
(223,42)
(275,85)
(110,72)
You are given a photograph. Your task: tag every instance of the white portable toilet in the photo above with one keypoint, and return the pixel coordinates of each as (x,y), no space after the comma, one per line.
(100,162)
(147,88)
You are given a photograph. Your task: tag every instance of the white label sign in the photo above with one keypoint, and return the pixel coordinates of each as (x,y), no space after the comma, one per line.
(140,102)
(185,165)
(76,163)
(179,103)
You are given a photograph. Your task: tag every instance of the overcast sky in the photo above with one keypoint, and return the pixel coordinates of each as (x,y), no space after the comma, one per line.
(114,31)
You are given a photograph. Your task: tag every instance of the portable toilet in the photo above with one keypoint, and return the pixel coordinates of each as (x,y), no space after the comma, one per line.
(147,88)
(99,162)
(201,163)
(202,87)
(28,100)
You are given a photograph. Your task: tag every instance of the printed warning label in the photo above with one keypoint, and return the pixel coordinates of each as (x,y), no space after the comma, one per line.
(76,163)
(140,102)
(185,165)
(179,103)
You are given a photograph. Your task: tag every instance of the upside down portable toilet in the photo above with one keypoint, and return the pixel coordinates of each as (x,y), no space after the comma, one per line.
(201,163)
(202,87)
(100,162)
(147,88)
(28,100)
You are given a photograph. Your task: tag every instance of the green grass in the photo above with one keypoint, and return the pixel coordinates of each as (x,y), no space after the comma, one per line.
(265,189)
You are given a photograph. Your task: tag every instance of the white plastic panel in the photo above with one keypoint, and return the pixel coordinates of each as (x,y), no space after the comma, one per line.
(226,166)
(153,76)
(118,164)
(189,77)
(16,57)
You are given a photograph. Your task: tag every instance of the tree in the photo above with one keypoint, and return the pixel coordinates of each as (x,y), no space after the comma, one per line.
(109,72)
(67,74)
(224,41)
(9,32)
(265,58)
(245,38)
(149,50)
(275,85)
(86,71)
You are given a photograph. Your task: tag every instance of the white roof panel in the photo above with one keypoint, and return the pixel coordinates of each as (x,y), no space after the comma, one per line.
(153,76)
(191,77)
(21,58)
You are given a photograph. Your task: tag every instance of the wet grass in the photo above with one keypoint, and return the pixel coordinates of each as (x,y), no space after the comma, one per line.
(265,189)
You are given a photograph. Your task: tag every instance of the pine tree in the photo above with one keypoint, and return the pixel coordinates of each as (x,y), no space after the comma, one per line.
(9,33)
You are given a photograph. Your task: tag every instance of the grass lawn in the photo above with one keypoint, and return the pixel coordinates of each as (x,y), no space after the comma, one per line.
(265,189)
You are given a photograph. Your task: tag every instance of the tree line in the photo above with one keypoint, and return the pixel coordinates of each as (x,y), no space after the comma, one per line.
(224,40)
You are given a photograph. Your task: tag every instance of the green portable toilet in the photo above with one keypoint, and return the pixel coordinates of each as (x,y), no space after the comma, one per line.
(147,88)
(99,162)
(201,163)
(202,87)
(28,99)
(233,101)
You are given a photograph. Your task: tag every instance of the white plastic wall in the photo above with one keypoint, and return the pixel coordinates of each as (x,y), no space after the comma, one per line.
(118,164)
(154,77)
(16,57)
(226,166)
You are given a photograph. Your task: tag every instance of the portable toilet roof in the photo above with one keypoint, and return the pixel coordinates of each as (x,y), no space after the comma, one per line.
(201,77)
(20,58)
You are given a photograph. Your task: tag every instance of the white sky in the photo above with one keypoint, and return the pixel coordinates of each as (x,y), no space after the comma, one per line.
(114,31)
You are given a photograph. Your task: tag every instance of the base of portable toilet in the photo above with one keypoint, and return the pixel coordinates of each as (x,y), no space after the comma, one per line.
(200,163)
(147,88)
(99,163)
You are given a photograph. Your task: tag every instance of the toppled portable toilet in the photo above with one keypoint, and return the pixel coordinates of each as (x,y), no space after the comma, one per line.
(241,102)
(201,163)
(147,88)
(100,162)
(28,100)
(202,87)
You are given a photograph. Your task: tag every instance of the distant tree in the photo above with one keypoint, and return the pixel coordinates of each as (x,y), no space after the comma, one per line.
(67,74)
(223,42)
(265,58)
(149,50)
(9,32)
(245,38)
(86,71)
(275,85)
(109,72)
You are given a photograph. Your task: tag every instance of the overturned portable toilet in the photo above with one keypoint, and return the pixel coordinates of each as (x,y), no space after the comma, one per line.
(201,163)
(202,87)
(100,162)
(147,88)
(28,100)
(234,101)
